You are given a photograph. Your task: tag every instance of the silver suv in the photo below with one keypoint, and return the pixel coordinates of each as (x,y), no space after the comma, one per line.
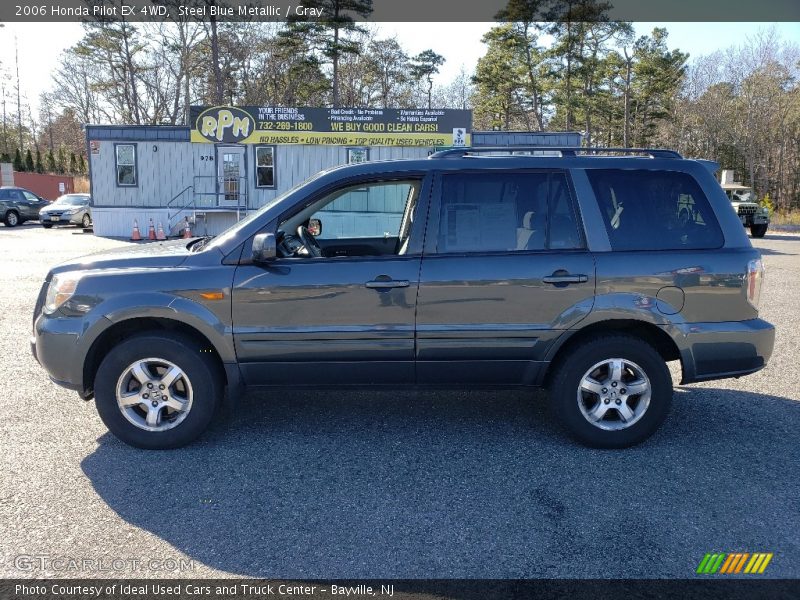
(579,272)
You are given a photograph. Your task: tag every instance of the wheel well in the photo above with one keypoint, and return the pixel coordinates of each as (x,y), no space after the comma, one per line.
(125,329)
(652,334)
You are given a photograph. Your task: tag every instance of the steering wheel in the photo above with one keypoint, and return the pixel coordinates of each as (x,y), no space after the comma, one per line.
(309,242)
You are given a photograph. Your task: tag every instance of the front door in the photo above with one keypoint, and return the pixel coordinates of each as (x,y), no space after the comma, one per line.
(505,272)
(344,317)
(231,176)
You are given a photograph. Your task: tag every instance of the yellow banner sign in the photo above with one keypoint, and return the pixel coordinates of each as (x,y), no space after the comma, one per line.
(331,126)
(347,139)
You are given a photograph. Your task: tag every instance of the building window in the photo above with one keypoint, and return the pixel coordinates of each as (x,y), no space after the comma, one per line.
(357,155)
(126,164)
(265,166)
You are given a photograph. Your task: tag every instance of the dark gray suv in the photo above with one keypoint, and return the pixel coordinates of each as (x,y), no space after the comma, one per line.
(578,272)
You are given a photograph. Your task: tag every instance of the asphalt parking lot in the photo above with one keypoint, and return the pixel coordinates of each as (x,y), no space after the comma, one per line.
(395,485)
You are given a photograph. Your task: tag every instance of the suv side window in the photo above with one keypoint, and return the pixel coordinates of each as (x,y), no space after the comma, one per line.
(369,210)
(654,210)
(506,212)
(30,197)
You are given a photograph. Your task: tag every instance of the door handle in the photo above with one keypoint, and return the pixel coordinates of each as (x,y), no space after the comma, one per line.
(557,278)
(384,284)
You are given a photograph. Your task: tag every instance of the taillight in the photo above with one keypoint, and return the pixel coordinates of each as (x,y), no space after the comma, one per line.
(755,276)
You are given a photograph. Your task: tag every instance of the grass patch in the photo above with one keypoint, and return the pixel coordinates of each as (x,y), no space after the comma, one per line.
(786,217)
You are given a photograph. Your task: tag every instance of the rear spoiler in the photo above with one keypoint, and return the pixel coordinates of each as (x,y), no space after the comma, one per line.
(711,165)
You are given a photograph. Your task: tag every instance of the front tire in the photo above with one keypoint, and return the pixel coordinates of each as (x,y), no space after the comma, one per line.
(611,391)
(158,390)
(47,225)
(86,222)
(758,231)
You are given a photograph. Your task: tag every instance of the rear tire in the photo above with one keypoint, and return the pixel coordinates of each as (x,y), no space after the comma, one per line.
(607,417)
(125,403)
(758,231)
(12,219)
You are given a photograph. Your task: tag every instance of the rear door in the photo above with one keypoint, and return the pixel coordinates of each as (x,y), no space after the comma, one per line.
(505,271)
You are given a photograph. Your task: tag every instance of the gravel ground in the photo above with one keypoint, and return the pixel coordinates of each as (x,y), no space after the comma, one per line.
(379,484)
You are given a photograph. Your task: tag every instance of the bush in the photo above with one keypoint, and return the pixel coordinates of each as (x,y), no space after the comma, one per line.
(767,203)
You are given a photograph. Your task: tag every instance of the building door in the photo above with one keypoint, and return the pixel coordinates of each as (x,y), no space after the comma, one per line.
(231,176)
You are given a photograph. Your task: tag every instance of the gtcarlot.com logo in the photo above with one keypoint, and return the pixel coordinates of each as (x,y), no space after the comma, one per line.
(731,563)
(106,564)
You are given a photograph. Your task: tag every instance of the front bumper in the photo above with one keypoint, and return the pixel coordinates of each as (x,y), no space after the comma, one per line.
(55,346)
(722,350)
(756,219)
(62,219)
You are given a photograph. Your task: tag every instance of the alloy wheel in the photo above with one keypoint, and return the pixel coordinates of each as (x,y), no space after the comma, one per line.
(154,394)
(614,394)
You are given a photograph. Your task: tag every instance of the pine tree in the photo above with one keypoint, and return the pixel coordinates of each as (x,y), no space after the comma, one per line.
(81,165)
(51,162)
(61,164)
(73,164)
(29,166)
(39,165)
(334,35)
(18,164)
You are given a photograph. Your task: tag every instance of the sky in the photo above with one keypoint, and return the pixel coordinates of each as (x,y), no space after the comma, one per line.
(41,44)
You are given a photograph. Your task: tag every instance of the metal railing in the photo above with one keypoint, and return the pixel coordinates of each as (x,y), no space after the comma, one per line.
(208,193)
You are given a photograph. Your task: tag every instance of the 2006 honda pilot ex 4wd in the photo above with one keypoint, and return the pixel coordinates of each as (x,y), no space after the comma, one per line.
(578,271)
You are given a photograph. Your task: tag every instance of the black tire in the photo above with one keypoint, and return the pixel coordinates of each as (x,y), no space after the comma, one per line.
(203,372)
(47,225)
(758,231)
(12,219)
(86,222)
(569,374)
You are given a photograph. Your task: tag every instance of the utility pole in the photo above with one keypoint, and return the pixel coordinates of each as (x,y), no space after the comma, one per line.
(19,101)
(5,129)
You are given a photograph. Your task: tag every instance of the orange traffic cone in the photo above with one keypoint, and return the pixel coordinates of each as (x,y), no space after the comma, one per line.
(187,231)
(136,236)
(151,231)
(160,233)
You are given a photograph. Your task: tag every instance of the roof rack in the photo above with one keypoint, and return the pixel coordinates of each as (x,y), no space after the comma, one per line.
(565,151)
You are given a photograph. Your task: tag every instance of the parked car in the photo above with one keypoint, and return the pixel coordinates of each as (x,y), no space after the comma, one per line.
(561,271)
(18,205)
(69,209)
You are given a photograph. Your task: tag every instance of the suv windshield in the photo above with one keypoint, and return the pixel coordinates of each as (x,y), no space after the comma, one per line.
(72,200)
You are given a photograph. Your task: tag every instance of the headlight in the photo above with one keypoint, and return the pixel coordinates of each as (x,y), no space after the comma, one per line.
(62,287)
(69,212)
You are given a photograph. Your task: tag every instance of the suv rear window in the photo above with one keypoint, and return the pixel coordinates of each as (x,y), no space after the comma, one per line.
(654,210)
(506,212)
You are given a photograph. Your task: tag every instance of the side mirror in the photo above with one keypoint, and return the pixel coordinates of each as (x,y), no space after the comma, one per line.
(264,247)
(314,227)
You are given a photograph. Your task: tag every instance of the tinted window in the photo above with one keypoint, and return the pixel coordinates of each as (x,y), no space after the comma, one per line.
(501,212)
(654,210)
